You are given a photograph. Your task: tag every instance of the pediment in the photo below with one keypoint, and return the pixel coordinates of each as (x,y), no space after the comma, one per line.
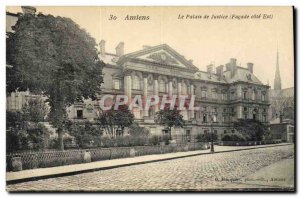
(162,57)
(161,54)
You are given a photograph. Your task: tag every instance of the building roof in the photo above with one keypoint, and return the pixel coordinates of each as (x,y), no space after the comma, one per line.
(241,75)
(110,59)
(174,59)
(202,75)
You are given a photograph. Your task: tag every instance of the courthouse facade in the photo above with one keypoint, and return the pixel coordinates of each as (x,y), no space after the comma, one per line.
(227,93)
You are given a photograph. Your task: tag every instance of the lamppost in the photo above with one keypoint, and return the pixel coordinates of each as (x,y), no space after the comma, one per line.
(213,119)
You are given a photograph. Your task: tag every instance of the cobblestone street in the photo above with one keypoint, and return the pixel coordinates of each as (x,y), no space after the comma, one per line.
(212,171)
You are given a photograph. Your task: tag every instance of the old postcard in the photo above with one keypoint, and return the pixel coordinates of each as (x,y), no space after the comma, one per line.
(150,99)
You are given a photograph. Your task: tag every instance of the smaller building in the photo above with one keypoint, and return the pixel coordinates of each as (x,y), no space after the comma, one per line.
(283,129)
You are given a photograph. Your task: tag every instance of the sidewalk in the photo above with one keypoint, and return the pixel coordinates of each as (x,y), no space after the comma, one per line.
(276,175)
(41,173)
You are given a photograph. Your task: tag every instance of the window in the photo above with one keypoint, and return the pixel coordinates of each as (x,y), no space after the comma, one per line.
(90,108)
(162,86)
(205,131)
(245,95)
(264,118)
(136,85)
(264,110)
(195,115)
(203,94)
(232,131)
(253,95)
(232,95)
(214,94)
(224,110)
(245,109)
(204,118)
(224,96)
(79,113)
(188,135)
(165,131)
(245,116)
(225,131)
(116,84)
(263,97)
(216,132)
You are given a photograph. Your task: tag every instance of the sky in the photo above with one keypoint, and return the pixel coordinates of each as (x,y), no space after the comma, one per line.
(205,41)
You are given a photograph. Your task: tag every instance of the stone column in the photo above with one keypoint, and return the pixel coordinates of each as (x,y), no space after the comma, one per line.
(179,88)
(155,89)
(170,88)
(192,115)
(127,86)
(239,111)
(239,92)
(145,94)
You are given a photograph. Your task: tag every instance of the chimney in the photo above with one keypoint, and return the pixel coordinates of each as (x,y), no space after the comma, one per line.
(250,67)
(102,48)
(232,66)
(227,66)
(219,70)
(120,49)
(28,9)
(210,69)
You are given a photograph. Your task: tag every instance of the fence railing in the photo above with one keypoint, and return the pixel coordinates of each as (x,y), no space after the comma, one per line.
(32,160)
(248,143)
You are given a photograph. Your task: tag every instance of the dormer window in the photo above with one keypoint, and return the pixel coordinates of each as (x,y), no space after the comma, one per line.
(249,77)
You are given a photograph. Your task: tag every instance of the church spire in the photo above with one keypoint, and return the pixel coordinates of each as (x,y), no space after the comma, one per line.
(277,80)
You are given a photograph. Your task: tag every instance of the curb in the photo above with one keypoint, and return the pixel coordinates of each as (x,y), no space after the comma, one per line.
(10,182)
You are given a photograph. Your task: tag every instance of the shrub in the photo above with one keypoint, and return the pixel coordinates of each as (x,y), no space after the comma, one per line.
(16,139)
(155,140)
(86,134)
(234,137)
(206,137)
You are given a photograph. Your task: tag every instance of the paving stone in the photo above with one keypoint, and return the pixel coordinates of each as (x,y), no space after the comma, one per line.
(190,173)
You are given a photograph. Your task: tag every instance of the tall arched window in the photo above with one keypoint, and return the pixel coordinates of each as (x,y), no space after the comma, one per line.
(136,83)
(162,86)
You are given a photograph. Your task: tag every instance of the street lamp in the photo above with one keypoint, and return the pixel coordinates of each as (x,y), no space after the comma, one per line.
(213,119)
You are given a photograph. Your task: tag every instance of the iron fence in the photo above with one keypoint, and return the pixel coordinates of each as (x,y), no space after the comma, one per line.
(42,159)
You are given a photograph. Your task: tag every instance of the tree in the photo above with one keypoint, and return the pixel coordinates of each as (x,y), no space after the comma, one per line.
(35,110)
(85,133)
(114,120)
(138,131)
(169,118)
(283,106)
(251,129)
(52,56)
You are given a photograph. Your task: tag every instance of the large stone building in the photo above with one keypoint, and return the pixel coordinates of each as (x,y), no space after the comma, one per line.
(228,92)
